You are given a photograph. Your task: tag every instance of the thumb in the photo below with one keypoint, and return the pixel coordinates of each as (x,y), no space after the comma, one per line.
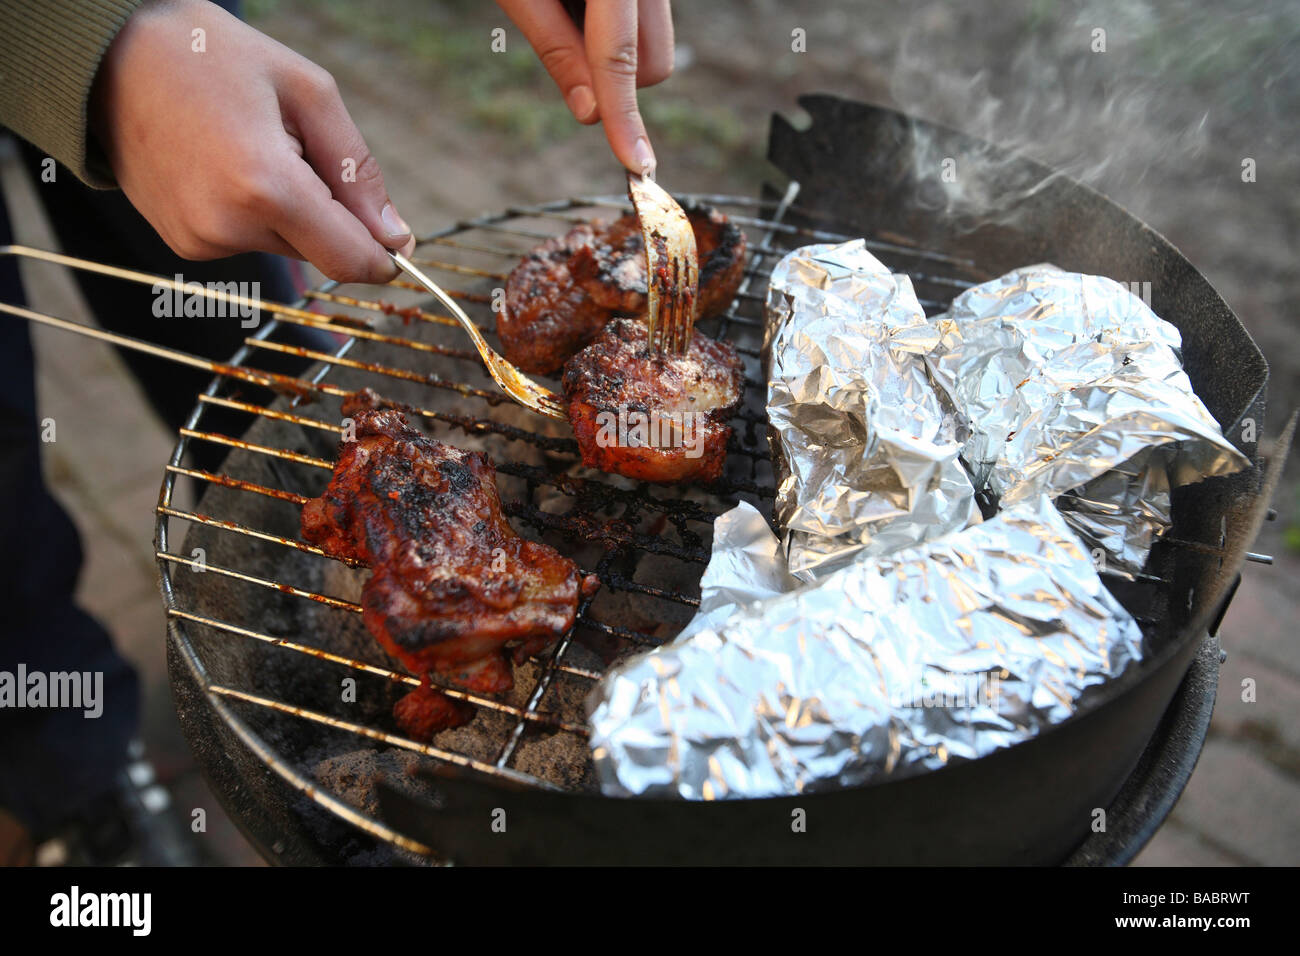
(335,149)
(611,38)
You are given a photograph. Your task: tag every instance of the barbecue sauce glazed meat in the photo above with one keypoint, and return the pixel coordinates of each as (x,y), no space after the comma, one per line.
(617,378)
(563,293)
(454,590)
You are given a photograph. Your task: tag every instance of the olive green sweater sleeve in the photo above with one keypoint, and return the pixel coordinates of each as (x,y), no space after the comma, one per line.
(49,53)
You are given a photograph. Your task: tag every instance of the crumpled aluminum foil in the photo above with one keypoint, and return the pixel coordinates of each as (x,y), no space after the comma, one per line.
(1059,379)
(942,652)
(867,460)
(747,565)
(1121,514)
(1067,399)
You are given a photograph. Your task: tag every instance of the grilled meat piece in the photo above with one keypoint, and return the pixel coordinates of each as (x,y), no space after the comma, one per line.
(562,293)
(652,416)
(455,591)
(547,315)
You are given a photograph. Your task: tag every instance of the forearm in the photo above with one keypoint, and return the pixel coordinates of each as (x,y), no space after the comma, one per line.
(50,51)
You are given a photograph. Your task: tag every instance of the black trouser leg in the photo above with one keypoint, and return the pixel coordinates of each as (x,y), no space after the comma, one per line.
(52,761)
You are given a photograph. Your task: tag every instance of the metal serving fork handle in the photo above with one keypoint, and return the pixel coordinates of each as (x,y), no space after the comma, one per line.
(512,381)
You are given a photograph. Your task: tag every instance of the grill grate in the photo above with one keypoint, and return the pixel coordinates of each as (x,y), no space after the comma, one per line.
(619,526)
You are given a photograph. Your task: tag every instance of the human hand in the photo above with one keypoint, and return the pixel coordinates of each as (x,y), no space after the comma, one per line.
(623,44)
(243,145)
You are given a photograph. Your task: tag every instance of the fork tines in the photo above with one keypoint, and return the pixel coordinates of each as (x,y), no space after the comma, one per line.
(672,265)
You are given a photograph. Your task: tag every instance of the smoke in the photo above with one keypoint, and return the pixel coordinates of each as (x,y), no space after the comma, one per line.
(1124,95)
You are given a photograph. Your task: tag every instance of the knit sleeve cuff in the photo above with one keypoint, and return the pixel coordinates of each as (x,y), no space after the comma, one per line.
(50,51)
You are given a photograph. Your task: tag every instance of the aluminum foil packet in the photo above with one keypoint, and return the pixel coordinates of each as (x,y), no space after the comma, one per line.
(942,652)
(866,456)
(1061,382)
(1121,514)
(747,565)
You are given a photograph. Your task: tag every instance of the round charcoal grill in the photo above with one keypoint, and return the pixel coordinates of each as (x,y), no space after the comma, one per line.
(286,700)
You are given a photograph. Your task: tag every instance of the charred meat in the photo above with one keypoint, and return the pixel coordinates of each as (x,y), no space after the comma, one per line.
(562,293)
(454,591)
(653,416)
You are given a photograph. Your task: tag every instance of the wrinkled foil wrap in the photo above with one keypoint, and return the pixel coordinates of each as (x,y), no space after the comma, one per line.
(867,459)
(942,652)
(1064,384)
(747,565)
(890,632)
(1121,514)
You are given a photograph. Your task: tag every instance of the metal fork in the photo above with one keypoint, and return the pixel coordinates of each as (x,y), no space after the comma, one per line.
(672,265)
(512,381)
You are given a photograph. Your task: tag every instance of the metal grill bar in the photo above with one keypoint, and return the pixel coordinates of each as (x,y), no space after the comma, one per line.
(388,371)
(454,692)
(378,305)
(619,584)
(535,516)
(303,420)
(361,730)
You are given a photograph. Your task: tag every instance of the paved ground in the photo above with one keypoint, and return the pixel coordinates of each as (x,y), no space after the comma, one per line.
(456,151)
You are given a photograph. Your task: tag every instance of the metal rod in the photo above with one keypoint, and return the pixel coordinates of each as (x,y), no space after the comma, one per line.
(819,235)
(241,529)
(377,305)
(761,252)
(202,567)
(450,756)
(238,484)
(462,270)
(265,412)
(383,672)
(288,383)
(288,312)
(1215,550)
(281,453)
(543,684)
(377,368)
(271,380)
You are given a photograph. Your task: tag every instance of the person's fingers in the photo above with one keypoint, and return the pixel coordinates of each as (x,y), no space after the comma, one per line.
(230,238)
(654,42)
(335,149)
(558,43)
(611,34)
(324,231)
(274,243)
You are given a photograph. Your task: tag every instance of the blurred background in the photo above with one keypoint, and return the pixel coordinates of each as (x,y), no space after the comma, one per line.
(1161,120)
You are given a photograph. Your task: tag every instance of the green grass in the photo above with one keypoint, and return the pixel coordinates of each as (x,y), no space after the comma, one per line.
(447,49)
(509,92)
